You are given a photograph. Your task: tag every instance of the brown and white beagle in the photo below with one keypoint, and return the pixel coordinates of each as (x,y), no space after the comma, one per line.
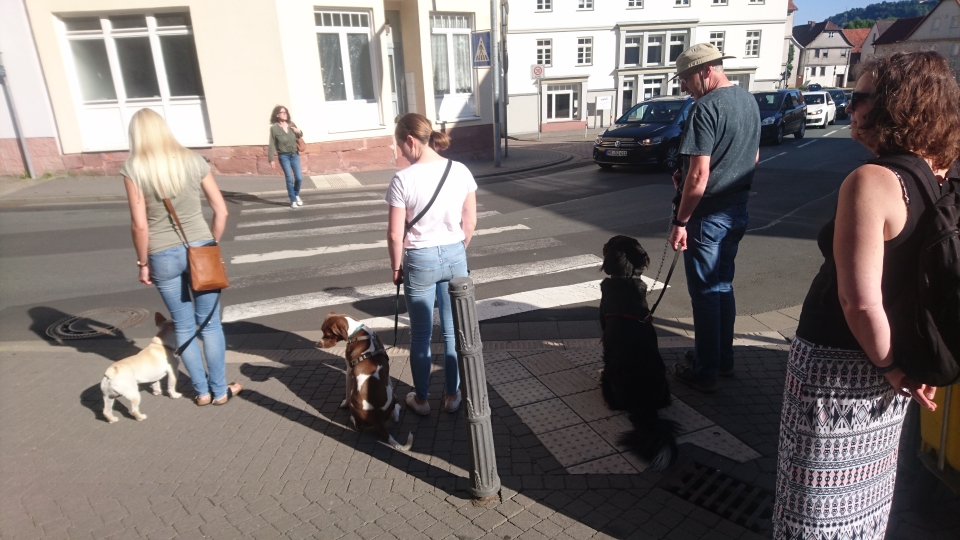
(369,388)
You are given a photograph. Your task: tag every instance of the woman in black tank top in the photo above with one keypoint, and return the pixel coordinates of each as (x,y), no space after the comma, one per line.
(844,397)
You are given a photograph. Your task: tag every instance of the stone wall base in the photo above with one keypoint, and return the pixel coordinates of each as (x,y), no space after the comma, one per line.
(354,155)
(547,127)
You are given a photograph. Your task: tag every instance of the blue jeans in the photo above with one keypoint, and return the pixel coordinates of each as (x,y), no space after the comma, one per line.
(426,276)
(291,169)
(712,243)
(170,272)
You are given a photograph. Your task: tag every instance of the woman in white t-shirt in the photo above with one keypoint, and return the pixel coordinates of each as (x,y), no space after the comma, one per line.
(433,251)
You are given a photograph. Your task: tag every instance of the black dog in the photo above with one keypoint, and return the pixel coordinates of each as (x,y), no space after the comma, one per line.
(634,376)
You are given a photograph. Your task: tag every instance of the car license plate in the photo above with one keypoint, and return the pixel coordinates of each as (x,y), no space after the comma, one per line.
(616,152)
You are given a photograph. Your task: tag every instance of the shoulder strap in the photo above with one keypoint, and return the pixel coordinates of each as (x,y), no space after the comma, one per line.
(173,213)
(926,182)
(416,218)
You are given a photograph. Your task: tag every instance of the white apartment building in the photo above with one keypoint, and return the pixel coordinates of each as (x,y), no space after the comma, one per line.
(626,50)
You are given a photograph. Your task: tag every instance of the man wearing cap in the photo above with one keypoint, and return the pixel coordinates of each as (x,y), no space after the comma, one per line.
(720,148)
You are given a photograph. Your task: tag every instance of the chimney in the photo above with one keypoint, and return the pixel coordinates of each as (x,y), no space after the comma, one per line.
(811,23)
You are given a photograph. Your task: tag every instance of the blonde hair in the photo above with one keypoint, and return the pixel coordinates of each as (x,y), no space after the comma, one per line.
(418,127)
(158,164)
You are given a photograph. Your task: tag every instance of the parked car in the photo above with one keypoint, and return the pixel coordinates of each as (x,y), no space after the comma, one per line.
(821,111)
(840,100)
(815,87)
(648,134)
(782,112)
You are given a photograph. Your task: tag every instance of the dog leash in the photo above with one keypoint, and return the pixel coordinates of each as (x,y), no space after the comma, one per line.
(676,257)
(183,347)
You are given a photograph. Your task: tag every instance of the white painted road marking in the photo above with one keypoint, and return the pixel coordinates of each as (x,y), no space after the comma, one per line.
(321,231)
(299,302)
(772,157)
(829,134)
(808,144)
(311,252)
(788,214)
(308,206)
(308,219)
(332,196)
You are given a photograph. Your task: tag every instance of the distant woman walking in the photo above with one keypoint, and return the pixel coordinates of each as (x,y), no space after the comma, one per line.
(432,250)
(283,142)
(158,168)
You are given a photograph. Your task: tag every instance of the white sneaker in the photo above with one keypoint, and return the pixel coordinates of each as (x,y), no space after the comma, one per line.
(293,205)
(423,409)
(451,405)
(299,202)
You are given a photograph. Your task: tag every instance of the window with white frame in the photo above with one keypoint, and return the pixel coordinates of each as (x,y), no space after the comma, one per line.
(843,53)
(654,48)
(123,63)
(545,52)
(955,21)
(585,4)
(346,62)
(628,89)
(956,50)
(631,51)
(681,3)
(755,2)
(753,44)
(563,102)
(826,53)
(652,86)
(823,71)
(936,23)
(719,2)
(584,51)
(453,84)
(654,56)
(544,5)
(678,42)
(634,3)
(716,39)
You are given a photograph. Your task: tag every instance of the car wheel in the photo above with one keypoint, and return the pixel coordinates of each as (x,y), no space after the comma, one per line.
(605,166)
(671,159)
(802,132)
(779,137)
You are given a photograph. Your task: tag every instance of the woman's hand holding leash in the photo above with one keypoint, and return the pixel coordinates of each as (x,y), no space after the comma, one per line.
(398,276)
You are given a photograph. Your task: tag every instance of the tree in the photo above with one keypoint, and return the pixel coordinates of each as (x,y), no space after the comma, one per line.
(860,23)
(789,61)
(884,10)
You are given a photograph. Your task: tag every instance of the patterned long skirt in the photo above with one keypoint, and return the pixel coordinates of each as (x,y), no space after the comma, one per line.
(839,434)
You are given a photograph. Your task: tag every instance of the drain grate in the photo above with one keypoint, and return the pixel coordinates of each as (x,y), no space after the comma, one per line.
(746,505)
(101,322)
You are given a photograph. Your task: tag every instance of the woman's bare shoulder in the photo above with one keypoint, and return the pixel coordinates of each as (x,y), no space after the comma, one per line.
(872,179)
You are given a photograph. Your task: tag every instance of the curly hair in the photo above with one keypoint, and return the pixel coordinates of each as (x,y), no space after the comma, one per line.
(276,111)
(916,108)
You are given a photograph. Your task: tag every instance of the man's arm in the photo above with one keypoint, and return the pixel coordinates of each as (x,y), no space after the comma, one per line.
(693,187)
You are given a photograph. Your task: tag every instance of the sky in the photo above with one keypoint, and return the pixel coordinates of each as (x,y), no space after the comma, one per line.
(818,10)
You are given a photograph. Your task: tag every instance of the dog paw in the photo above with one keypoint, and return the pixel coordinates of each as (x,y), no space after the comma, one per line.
(141,418)
(175,395)
(112,419)
(343,404)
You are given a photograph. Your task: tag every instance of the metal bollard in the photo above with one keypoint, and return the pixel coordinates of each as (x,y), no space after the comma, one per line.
(484,481)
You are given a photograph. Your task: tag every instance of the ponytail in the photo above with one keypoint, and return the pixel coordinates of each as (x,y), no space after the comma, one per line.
(439,141)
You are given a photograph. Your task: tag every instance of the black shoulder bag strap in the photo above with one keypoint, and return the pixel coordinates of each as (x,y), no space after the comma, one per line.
(406,229)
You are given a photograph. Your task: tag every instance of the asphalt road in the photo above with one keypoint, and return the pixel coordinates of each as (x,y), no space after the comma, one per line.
(539,249)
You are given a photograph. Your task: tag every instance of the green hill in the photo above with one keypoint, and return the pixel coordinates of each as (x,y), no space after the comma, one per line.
(884,10)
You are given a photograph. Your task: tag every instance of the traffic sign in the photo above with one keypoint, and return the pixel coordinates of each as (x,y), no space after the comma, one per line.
(536,71)
(481,49)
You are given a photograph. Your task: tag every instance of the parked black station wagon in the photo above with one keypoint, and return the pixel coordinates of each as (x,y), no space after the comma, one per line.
(782,112)
(648,134)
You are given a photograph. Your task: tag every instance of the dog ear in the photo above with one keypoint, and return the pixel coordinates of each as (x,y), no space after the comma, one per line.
(158,318)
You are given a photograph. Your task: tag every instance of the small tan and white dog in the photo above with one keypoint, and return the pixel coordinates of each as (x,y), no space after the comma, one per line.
(147,366)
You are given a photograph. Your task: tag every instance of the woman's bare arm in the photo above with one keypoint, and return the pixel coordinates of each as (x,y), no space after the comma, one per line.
(397,218)
(138,227)
(219,206)
(468,217)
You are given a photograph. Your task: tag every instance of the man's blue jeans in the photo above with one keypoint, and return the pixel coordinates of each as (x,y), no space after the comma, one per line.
(291,169)
(171,274)
(712,243)
(426,277)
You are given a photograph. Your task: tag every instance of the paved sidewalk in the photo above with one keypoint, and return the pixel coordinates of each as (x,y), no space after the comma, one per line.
(280,460)
(85,189)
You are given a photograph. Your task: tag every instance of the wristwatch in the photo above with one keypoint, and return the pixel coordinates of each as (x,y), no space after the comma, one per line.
(676,222)
(142,264)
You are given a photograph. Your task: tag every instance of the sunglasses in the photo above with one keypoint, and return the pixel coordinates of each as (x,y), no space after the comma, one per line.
(858,97)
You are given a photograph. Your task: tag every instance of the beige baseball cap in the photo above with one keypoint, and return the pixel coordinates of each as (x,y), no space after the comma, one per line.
(698,55)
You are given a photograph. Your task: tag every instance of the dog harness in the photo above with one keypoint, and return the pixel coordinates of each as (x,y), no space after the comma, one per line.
(373,349)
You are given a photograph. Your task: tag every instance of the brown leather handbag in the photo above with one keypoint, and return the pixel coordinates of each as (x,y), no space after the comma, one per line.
(207,270)
(301,145)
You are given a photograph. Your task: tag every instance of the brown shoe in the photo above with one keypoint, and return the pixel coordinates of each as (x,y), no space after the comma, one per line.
(202,400)
(233,389)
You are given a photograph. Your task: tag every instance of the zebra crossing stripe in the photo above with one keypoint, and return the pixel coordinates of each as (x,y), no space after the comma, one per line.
(308,206)
(334,196)
(299,302)
(322,250)
(320,231)
(345,215)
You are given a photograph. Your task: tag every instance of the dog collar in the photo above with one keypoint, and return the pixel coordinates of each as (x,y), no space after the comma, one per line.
(351,339)
(366,355)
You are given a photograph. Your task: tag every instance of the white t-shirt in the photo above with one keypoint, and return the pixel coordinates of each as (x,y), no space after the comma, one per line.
(412,188)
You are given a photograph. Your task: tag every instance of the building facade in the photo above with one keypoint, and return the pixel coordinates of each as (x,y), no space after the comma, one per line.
(602,57)
(826,54)
(938,31)
(216,68)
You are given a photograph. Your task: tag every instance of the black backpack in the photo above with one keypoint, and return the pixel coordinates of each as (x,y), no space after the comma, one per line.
(925,323)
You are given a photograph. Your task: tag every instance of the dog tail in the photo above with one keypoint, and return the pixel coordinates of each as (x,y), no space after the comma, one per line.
(652,439)
(406,447)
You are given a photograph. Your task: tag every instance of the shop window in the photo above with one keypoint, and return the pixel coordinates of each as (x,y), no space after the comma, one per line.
(628,89)
(453,84)
(120,64)
(563,102)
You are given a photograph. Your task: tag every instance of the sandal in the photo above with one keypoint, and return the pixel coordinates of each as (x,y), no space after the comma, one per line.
(202,400)
(233,389)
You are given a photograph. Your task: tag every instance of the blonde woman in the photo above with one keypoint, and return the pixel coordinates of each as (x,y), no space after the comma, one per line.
(159,167)
(433,251)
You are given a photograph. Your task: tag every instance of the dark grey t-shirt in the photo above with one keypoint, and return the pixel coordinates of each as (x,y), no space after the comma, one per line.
(725,125)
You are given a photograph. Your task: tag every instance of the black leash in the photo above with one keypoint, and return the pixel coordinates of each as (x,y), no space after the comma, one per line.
(396,318)
(676,257)
(183,347)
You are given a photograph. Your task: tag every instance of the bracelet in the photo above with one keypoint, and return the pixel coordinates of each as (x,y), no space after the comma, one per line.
(677,223)
(886,369)
(399,269)
(142,265)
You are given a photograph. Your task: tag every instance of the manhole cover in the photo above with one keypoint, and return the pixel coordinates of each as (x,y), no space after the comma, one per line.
(746,505)
(97,323)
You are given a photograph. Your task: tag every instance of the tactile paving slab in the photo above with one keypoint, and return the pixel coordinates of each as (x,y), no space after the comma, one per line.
(593,370)
(576,444)
(612,428)
(547,362)
(506,371)
(720,441)
(571,381)
(548,415)
(589,405)
(688,420)
(524,392)
(615,464)
(582,357)
(493,357)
